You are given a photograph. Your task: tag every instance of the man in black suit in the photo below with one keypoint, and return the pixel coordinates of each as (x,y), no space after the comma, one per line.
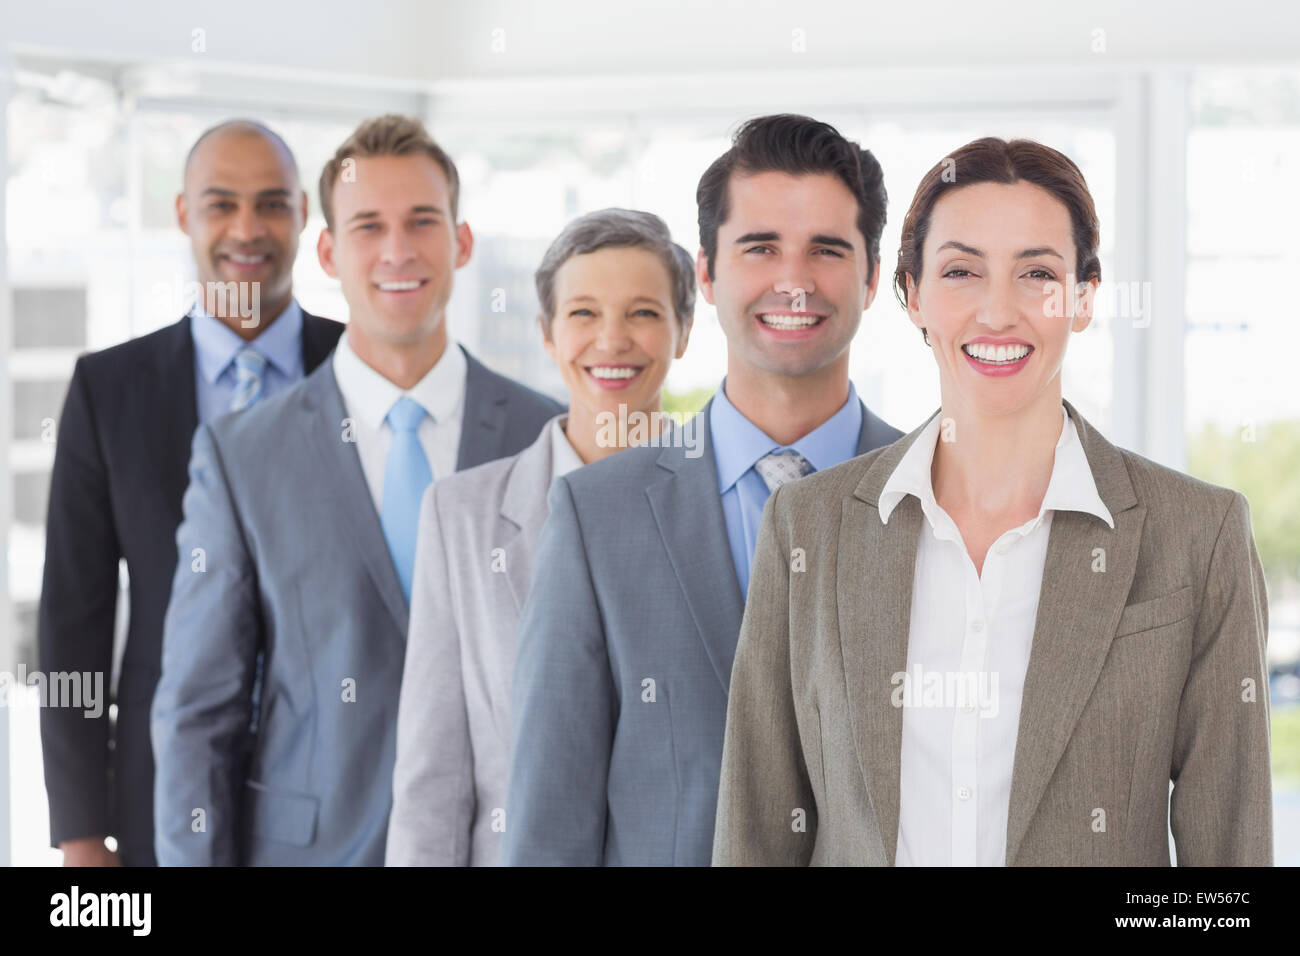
(120,473)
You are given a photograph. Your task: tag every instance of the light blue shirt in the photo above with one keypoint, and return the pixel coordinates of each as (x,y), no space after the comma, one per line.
(738,443)
(215,345)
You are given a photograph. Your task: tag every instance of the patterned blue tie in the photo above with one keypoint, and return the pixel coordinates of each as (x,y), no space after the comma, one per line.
(781,467)
(406,475)
(249,369)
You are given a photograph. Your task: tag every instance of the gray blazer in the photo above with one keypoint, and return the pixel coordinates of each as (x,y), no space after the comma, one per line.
(285,593)
(625,648)
(478,533)
(1148,672)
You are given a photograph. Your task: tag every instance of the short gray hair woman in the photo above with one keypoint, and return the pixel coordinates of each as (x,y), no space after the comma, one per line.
(607,286)
(612,228)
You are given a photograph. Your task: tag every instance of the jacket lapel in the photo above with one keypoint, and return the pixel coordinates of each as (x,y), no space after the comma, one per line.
(688,511)
(483,428)
(340,468)
(877,560)
(875,433)
(319,336)
(176,404)
(1079,608)
(524,505)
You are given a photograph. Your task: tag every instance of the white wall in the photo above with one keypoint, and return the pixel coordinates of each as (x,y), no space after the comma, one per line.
(7,622)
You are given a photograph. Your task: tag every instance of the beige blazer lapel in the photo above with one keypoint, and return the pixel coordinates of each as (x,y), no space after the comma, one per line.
(877,560)
(1086,581)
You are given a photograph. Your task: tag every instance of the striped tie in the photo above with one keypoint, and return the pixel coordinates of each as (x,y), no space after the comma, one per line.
(249,369)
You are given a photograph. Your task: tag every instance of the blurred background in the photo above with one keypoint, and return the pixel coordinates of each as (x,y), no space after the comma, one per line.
(1185,118)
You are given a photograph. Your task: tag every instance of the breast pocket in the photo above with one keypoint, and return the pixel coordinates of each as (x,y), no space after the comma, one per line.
(1158,612)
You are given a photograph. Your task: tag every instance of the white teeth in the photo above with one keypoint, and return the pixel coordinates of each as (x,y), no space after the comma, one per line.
(400,286)
(612,372)
(777,321)
(248,260)
(995,354)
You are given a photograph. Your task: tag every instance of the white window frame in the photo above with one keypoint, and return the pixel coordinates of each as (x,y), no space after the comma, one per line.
(8,624)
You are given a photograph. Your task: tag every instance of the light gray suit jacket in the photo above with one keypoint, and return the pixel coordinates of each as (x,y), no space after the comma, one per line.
(625,649)
(1148,671)
(285,591)
(478,533)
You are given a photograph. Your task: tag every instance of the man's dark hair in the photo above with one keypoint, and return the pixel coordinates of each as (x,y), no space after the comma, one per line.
(800,146)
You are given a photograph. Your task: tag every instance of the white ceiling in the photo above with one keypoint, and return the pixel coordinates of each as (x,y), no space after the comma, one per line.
(422,41)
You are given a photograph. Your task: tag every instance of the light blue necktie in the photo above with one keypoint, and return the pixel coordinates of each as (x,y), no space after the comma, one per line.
(406,475)
(249,369)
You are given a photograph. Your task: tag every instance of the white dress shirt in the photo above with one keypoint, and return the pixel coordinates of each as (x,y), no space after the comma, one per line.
(563,456)
(967,653)
(368,397)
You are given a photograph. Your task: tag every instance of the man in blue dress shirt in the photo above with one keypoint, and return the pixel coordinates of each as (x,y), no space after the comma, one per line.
(628,634)
(739,449)
(228,368)
(120,472)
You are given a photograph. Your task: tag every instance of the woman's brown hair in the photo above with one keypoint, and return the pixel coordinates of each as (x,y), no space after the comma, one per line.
(993,160)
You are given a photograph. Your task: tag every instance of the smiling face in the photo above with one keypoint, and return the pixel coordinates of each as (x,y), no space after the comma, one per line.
(790,277)
(614,333)
(996,296)
(243,209)
(395,249)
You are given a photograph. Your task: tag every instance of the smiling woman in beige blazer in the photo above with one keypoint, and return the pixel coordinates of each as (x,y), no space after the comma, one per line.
(998,640)
(617,299)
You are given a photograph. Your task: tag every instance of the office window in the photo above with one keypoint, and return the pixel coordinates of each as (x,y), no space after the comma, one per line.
(1242,412)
